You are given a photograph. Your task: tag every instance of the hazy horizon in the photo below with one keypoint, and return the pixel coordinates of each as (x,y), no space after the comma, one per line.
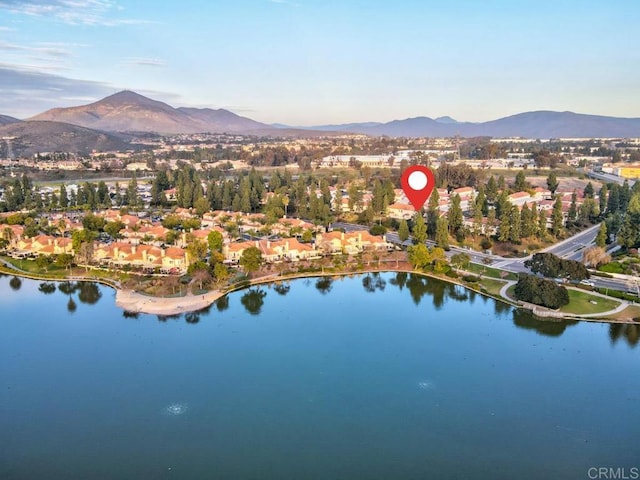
(303,63)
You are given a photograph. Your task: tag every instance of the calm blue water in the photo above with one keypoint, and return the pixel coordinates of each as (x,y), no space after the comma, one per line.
(389,377)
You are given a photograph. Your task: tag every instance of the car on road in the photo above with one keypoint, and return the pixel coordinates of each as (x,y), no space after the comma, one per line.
(588,283)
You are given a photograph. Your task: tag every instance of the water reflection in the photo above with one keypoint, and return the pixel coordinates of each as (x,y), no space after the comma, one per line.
(47,288)
(222,303)
(630,332)
(282,288)
(372,282)
(253,300)
(15,283)
(324,285)
(549,327)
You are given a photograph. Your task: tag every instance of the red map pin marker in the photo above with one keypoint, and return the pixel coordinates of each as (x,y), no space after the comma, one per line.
(417,182)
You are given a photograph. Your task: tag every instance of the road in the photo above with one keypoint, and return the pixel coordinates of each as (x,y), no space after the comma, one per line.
(608,178)
(571,248)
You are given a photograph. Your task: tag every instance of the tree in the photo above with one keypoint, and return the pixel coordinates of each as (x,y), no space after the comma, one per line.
(64,199)
(557,218)
(433,212)
(201,276)
(251,259)
(491,190)
(602,199)
(442,233)
(601,238)
(515,230)
(595,256)
(504,227)
(132,192)
(572,214)
(521,183)
(551,265)
(460,260)
(419,256)
(419,229)
(43,262)
(113,228)
(542,224)
(540,291)
(589,191)
(215,241)
(454,216)
(552,182)
(196,249)
(403,231)
(527,221)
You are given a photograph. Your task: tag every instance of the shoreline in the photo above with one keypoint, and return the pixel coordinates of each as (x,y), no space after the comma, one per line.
(134,302)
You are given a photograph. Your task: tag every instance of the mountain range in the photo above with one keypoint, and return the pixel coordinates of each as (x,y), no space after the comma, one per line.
(128,111)
(539,124)
(92,127)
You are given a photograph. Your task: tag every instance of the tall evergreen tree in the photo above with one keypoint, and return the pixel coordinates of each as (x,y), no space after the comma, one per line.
(572,214)
(601,238)
(514,225)
(419,229)
(589,191)
(454,216)
(64,199)
(602,198)
(492,190)
(433,212)
(552,182)
(557,218)
(403,230)
(442,233)
(520,184)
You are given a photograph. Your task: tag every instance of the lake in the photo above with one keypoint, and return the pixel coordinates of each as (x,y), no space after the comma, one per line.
(388,376)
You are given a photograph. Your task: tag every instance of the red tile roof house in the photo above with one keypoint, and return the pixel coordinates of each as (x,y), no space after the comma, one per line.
(45,245)
(401,211)
(519,198)
(351,243)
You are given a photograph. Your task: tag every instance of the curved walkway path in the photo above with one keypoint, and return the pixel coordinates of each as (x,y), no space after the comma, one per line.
(623,303)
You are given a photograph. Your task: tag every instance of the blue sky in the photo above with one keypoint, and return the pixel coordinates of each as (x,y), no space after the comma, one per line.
(306,62)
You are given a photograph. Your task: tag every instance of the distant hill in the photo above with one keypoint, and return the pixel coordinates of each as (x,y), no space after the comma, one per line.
(6,119)
(540,124)
(31,137)
(128,111)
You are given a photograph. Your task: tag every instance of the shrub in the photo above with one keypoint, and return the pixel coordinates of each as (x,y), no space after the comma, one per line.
(471,278)
(601,274)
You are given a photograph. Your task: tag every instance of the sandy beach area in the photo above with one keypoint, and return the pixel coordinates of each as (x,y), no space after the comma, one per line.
(136,302)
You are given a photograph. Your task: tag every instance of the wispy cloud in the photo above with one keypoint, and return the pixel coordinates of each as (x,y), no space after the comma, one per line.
(73,12)
(50,50)
(27,91)
(144,62)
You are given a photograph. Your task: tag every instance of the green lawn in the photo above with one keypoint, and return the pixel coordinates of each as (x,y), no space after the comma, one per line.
(492,286)
(580,302)
(511,292)
(490,272)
